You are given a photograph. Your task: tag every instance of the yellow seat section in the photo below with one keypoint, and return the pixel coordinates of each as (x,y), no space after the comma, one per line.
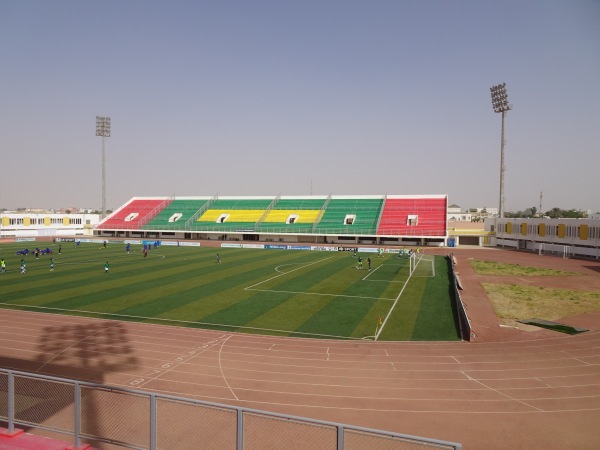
(236,215)
(281,215)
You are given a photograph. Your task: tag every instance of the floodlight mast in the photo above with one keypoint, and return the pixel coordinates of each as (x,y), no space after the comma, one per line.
(103,129)
(501,105)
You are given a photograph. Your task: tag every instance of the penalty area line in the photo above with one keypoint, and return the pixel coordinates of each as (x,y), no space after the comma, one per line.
(392,308)
(319,293)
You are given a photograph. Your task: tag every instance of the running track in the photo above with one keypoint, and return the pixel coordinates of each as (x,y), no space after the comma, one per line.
(506,389)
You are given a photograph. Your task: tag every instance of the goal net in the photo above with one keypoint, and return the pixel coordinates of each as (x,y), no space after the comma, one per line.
(422,265)
(564,251)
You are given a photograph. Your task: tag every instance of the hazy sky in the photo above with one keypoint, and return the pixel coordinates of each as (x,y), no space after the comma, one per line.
(287,97)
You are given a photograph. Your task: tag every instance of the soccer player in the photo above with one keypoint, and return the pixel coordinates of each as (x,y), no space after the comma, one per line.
(2,265)
(359,263)
(369,263)
(23,266)
(218,258)
(51,264)
(106,267)
(128,248)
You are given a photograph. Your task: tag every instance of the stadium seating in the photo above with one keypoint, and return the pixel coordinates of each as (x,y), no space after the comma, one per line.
(133,215)
(175,215)
(303,203)
(423,216)
(232,215)
(289,221)
(350,216)
(413,217)
(240,203)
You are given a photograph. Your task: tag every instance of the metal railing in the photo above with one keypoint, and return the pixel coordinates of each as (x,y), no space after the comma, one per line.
(464,323)
(135,419)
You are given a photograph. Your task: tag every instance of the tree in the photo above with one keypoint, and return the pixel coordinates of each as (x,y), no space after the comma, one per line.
(557,213)
(554,213)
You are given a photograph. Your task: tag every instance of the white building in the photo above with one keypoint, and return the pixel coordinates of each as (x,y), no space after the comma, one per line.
(566,237)
(457,214)
(31,224)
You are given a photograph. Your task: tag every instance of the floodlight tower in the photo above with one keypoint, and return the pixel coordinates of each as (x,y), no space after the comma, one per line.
(500,104)
(103,129)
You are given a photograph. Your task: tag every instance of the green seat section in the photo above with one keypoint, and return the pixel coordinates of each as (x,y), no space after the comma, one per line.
(175,215)
(350,216)
(303,203)
(241,204)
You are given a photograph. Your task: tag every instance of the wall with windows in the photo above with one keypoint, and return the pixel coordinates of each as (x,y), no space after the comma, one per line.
(576,237)
(47,224)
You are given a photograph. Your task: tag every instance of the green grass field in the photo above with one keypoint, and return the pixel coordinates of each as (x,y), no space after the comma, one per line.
(276,292)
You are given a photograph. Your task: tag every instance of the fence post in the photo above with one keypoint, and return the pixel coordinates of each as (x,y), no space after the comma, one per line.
(340,437)
(240,430)
(152,421)
(77,414)
(11,402)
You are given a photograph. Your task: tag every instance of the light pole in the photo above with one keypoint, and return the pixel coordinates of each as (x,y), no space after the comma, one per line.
(103,129)
(500,104)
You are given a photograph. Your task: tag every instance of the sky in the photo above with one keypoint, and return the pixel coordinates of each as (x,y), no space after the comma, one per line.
(299,98)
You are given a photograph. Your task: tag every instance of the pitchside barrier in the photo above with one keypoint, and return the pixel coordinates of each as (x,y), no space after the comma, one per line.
(464,322)
(135,419)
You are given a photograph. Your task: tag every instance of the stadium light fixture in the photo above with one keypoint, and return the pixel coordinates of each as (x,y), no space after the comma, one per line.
(103,130)
(501,105)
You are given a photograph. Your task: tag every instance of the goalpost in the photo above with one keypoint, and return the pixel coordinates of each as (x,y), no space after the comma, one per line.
(564,251)
(421,265)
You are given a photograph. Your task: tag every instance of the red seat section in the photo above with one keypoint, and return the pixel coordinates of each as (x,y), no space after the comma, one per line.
(133,215)
(414,216)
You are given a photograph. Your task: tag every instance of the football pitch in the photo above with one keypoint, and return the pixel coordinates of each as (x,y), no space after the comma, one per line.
(315,294)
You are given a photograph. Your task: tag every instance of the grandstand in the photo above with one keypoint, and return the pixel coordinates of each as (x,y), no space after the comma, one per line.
(344,219)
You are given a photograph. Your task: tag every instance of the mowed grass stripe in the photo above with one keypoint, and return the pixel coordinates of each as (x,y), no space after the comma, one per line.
(401,322)
(332,275)
(77,270)
(248,311)
(436,316)
(414,316)
(340,314)
(304,278)
(220,296)
(98,287)
(343,314)
(141,276)
(213,281)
